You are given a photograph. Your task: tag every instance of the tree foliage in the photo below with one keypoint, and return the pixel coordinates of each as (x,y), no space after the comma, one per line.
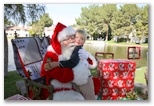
(38,26)
(88,19)
(8,23)
(107,20)
(19,13)
(22,13)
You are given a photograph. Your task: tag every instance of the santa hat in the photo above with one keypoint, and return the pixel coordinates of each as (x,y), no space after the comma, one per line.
(60,33)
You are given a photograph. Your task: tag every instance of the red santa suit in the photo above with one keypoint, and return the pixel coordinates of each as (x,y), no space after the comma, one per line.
(53,52)
(61,77)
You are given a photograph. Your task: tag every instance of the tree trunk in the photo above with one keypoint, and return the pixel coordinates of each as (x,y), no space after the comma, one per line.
(5,54)
(107,32)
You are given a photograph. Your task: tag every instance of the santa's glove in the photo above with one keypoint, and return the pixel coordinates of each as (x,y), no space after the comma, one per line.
(83,55)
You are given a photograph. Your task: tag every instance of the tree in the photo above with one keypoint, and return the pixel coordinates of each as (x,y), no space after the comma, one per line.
(106,19)
(20,13)
(141,24)
(46,20)
(38,26)
(124,19)
(8,23)
(89,19)
(130,11)
(96,19)
(117,23)
(107,14)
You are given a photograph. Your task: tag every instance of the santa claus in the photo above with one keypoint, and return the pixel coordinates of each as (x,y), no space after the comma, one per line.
(64,79)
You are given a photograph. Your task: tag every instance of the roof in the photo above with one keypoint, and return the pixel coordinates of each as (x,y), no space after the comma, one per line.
(17,27)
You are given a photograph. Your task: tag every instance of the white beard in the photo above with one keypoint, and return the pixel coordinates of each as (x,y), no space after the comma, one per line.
(66,52)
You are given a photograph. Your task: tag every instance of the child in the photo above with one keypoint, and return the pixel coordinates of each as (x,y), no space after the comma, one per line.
(86,89)
(80,38)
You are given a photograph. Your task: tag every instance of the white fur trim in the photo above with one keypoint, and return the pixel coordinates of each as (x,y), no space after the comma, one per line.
(50,48)
(58,84)
(67,95)
(81,74)
(94,65)
(65,32)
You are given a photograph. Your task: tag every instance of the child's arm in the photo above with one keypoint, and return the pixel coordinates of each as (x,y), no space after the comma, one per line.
(83,55)
(73,61)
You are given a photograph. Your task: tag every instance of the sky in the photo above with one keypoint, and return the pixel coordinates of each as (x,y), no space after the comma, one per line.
(66,13)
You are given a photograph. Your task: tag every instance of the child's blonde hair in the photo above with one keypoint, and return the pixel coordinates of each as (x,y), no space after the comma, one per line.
(83,32)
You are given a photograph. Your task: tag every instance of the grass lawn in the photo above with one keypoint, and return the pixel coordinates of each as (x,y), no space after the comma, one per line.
(139,75)
(10,84)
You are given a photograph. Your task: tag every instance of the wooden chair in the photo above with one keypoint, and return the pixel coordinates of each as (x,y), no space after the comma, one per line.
(36,88)
(104,55)
(28,57)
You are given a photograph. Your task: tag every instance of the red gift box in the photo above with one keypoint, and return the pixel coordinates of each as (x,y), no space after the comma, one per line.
(117,77)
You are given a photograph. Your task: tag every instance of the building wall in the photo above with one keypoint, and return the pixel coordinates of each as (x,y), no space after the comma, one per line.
(24,31)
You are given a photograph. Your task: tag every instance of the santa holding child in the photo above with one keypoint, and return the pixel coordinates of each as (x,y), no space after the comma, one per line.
(68,82)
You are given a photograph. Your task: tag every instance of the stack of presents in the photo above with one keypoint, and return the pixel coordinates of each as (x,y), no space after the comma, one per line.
(117,78)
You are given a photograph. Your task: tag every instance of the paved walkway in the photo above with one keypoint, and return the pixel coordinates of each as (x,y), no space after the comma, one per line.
(11,65)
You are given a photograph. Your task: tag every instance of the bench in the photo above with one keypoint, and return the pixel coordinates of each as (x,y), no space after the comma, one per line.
(28,57)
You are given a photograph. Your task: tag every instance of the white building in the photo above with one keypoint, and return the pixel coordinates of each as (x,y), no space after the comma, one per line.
(23,31)
(49,31)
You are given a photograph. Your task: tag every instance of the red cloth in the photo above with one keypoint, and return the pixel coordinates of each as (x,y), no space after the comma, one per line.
(63,75)
(97,85)
(90,61)
(54,41)
(43,95)
(117,77)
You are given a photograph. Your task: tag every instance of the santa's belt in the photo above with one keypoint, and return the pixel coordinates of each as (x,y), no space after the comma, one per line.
(62,89)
